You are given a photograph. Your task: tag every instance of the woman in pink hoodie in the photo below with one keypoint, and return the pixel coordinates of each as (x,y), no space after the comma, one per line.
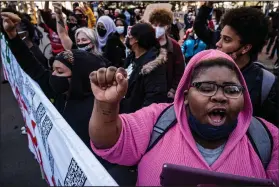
(212,94)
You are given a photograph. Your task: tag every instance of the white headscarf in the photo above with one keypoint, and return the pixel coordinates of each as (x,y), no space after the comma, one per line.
(110,27)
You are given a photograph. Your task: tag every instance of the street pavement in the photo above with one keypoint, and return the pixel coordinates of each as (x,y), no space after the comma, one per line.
(18,165)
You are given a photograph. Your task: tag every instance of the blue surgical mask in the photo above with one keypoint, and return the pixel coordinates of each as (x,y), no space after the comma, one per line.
(209,132)
(120,29)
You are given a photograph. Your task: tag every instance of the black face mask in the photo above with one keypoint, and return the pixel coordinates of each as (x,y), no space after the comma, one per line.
(209,132)
(59,84)
(85,47)
(101,32)
(73,26)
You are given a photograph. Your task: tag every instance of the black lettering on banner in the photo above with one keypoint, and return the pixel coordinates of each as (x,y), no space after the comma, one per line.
(75,176)
(20,84)
(19,79)
(40,113)
(34,113)
(29,89)
(45,127)
(59,183)
(51,161)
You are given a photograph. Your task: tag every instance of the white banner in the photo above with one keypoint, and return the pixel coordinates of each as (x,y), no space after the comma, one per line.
(63,157)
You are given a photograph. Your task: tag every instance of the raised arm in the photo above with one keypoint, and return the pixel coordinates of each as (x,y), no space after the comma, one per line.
(61,28)
(121,139)
(66,11)
(46,8)
(109,86)
(201,27)
(23,55)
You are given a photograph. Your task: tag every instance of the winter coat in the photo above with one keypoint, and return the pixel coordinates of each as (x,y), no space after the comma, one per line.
(148,81)
(175,63)
(114,50)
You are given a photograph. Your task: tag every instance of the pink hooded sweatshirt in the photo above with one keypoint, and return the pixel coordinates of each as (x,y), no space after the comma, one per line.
(178,146)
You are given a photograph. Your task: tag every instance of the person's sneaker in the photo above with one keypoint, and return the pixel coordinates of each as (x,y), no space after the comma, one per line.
(23,132)
(22,128)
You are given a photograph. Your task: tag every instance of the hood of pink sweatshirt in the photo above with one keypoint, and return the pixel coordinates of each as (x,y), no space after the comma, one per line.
(244,117)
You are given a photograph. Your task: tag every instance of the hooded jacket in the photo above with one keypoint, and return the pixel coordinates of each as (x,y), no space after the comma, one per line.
(148,81)
(77,107)
(178,146)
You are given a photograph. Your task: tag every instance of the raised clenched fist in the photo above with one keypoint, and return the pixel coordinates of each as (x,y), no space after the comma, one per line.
(10,21)
(109,84)
(57,7)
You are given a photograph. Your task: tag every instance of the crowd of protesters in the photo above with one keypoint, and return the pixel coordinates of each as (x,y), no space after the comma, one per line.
(112,77)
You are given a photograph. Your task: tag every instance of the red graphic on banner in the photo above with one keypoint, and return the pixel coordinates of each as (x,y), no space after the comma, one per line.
(33,124)
(33,138)
(41,163)
(20,100)
(53,181)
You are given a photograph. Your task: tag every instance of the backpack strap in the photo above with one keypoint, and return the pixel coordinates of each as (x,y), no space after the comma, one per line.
(261,140)
(165,121)
(258,134)
(268,81)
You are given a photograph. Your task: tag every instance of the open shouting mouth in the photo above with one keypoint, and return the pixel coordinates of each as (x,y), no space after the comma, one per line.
(217,116)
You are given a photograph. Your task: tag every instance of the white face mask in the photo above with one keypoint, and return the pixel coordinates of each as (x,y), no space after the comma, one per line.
(120,29)
(160,31)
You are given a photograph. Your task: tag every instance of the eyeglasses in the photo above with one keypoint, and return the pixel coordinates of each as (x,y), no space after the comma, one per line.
(209,89)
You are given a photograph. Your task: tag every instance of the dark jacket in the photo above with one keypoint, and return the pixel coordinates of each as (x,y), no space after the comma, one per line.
(114,50)
(174,32)
(275,19)
(39,55)
(253,76)
(252,73)
(209,37)
(175,63)
(148,81)
(78,106)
